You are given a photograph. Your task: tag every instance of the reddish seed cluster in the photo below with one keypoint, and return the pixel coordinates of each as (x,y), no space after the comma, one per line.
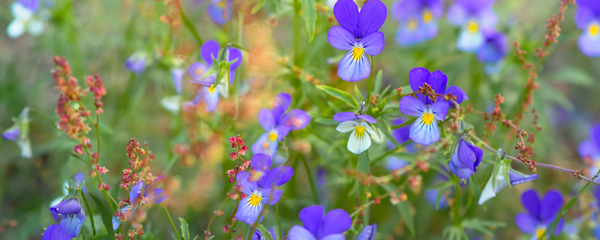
(428,91)
(97,87)
(495,116)
(237,142)
(138,159)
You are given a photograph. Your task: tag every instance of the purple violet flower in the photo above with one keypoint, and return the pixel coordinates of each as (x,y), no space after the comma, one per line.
(357,124)
(591,148)
(587,19)
(209,93)
(72,216)
(260,187)
(417,20)
(19,132)
(153,195)
(219,11)
(368,233)
(540,212)
(278,124)
(137,62)
(493,50)
(425,130)
(465,159)
(317,227)
(358,34)
(472,16)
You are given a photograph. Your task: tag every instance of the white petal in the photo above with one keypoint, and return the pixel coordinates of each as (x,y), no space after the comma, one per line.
(16,28)
(358,145)
(172,104)
(19,11)
(35,27)
(25,146)
(368,128)
(346,126)
(490,191)
(379,137)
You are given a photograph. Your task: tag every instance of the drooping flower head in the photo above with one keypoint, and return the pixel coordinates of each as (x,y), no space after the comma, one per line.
(591,149)
(137,199)
(587,19)
(472,16)
(417,20)
(493,186)
(317,227)
(260,187)
(72,216)
(209,93)
(25,19)
(360,139)
(358,34)
(219,11)
(75,183)
(540,212)
(368,233)
(278,124)
(425,130)
(137,62)
(493,50)
(19,132)
(465,159)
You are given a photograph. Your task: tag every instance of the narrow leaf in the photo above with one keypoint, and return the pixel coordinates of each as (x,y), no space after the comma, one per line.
(339,94)
(106,216)
(309,12)
(185,232)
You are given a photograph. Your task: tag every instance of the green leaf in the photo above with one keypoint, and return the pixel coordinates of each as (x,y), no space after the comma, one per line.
(339,94)
(378,80)
(357,93)
(190,26)
(265,233)
(103,236)
(572,75)
(363,162)
(388,124)
(475,186)
(106,216)
(309,12)
(185,232)
(258,6)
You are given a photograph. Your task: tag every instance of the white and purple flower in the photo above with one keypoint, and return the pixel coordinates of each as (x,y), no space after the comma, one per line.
(19,132)
(317,227)
(472,16)
(417,20)
(360,139)
(26,19)
(587,19)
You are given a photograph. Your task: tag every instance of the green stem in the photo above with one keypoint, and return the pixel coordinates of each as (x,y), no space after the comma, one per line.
(370,81)
(172,224)
(42,116)
(89,212)
(278,220)
(231,230)
(313,188)
(297,8)
(456,201)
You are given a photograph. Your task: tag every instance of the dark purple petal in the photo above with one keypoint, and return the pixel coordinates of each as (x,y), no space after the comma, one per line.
(367,118)
(270,196)
(583,17)
(300,233)
(31,5)
(440,109)
(368,233)
(373,43)
(462,173)
(551,205)
(431,197)
(438,81)
(135,191)
(266,119)
(335,221)
(280,104)
(516,178)
(260,162)
(409,105)
(346,13)
(595,135)
(338,236)
(11,134)
(458,92)
(276,177)
(596,194)
(371,17)
(494,48)
(295,119)
(312,217)
(526,223)
(234,54)
(418,76)
(340,38)
(464,157)
(210,50)
(69,206)
(559,226)
(531,202)
(344,116)
(243,181)
(593,5)
(478,155)
(56,232)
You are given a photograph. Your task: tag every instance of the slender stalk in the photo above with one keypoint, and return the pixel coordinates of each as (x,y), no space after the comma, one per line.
(370,81)
(296,36)
(42,116)
(172,224)
(456,201)
(313,188)
(278,220)
(215,215)
(231,230)
(89,212)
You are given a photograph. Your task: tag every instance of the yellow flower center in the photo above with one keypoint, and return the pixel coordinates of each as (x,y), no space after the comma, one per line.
(539,233)
(428,118)
(427,16)
(360,131)
(273,136)
(221,4)
(594,29)
(412,24)
(255,199)
(357,53)
(211,88)
(472,26)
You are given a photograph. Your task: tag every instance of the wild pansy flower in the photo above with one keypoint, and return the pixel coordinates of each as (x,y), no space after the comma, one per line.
(465,159)
(76,180)
(19,132)
(317,227)
(591,149)
(152,195)
(587,19)
(540,213)
(492,187)
(219,11)
(258,235)
(493,50)
(25,19)
(209,93)
(358,34)
(70,212)
(278,123)
(137,62)
(425,130)
(260,187)
(368,233)
(357,124)
(472,16)
(417,20)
